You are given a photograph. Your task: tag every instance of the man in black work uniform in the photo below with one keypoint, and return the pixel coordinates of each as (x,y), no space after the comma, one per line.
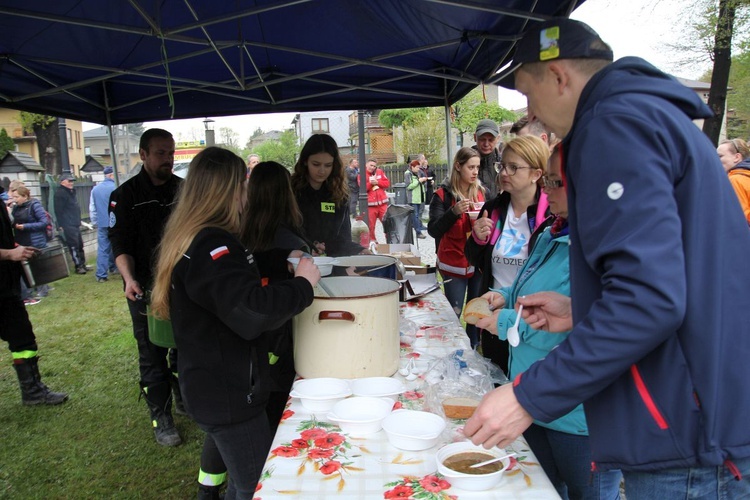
(138,210)
(15,327)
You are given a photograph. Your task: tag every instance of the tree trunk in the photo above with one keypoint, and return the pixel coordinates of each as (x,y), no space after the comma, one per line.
(48,142)
(722,55)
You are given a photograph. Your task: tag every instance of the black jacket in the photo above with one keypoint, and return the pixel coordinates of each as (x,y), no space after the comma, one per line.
(67,210)
(10,271)
(326,222)
(138,211)
(220,316)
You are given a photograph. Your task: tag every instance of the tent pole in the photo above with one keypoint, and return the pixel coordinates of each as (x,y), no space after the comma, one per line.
(448,142)
(113,153)
(362,167)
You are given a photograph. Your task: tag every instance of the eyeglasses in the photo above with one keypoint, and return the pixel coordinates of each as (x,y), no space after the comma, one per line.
(551,183)
(510,168)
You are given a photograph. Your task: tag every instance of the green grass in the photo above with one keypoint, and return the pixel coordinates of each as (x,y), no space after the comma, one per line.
(99,444)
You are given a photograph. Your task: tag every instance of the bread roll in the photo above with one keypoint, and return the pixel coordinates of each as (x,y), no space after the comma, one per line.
(459,407)
(476,309)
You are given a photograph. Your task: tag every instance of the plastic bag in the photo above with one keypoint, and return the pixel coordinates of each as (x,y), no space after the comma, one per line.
(398,225)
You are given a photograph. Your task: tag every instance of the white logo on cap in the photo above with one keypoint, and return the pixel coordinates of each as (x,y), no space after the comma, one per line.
(615,191)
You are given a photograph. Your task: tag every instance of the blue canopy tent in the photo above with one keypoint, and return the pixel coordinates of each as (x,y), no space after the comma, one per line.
(125,61)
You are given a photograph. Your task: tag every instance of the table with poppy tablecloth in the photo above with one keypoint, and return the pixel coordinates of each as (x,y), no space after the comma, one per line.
(312,458)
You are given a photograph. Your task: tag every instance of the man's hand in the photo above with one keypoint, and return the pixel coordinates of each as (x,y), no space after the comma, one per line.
(548,311)
(498,420)
(19,253)
(133,290)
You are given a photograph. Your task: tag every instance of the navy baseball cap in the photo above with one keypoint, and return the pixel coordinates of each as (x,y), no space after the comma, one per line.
(557,38)
(108,170)
(67,177)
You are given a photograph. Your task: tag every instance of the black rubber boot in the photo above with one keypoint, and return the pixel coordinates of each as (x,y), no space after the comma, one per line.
(209,492)
(159,400)
(33,391)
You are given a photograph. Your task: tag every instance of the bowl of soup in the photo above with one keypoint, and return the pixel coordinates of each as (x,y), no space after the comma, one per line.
(454,461)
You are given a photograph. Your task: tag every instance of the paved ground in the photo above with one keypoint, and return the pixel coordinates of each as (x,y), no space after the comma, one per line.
(426,246)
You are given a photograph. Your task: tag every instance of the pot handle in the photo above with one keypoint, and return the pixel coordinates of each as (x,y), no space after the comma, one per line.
(337,315)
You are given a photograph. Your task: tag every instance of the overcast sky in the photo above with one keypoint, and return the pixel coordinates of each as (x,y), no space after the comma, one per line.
(643,28)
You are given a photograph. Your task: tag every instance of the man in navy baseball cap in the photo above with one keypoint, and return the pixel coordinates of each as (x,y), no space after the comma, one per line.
(656,233)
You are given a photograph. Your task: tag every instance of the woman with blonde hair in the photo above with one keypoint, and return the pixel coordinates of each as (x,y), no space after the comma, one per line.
(734,155)
(508,225)
(207,283)
(450,223)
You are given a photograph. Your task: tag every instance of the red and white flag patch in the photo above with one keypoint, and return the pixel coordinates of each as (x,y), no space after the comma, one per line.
(113,204)
(219,252)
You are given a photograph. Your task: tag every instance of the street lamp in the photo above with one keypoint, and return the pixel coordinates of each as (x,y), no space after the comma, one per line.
(208,123)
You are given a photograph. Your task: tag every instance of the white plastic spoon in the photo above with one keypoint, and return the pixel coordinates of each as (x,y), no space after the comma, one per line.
(513,338)
(492,461)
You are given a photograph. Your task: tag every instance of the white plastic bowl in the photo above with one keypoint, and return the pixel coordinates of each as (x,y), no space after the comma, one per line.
(378,387)
(320,394)
(413,430)
(325,264)
(360,415)
(473,214)
(470,482)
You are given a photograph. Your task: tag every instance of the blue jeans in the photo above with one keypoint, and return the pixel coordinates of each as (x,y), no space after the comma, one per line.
(416,216)
(695,482)
(461,290)
(243,447)
(566,459)
(105,260)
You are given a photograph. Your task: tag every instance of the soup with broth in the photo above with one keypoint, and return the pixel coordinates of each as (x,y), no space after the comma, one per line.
(462,462)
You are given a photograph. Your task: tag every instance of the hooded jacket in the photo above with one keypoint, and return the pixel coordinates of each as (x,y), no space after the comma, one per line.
(661,339)
(34,220)
(739,177)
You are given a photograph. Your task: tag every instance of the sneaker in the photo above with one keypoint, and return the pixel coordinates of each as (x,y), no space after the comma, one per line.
(31,301)
(114,271)
(421,236)
(101,280)
(81,270)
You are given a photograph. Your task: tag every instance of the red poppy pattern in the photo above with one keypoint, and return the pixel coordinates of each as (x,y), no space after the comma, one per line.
(429,487)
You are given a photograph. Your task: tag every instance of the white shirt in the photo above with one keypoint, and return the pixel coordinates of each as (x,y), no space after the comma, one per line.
(511,249)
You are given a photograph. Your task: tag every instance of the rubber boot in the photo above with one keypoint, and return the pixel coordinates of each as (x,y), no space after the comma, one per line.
(209,492)
(159,400)
(33,391)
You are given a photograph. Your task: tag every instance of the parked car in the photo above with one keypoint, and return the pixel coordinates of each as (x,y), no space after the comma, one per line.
(180,168)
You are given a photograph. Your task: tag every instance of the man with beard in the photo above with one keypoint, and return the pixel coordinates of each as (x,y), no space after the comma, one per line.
(138,210)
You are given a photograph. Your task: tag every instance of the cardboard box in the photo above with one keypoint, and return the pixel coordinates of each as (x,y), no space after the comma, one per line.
(398,250)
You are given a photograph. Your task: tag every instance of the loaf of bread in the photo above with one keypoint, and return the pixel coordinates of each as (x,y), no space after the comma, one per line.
(476,309)
(459,407)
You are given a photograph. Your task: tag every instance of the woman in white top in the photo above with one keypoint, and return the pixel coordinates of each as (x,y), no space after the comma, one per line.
(508,224)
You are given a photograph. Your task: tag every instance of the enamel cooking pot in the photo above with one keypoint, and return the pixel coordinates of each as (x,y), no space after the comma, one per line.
(352,333)
(376,266)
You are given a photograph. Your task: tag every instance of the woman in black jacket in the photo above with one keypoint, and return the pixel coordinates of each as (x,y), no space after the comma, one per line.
(208,284)
(272,231)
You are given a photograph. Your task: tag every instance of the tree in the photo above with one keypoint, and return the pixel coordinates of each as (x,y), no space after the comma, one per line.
(423,132)
(392,118)
(47,139)
(230,139)
(285,150)
(136,129)
(6,143)
(474,107)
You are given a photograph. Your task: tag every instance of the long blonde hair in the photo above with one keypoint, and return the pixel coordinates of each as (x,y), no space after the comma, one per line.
(210,196)
(454,181)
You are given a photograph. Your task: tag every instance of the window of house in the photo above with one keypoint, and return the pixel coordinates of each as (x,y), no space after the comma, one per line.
(320,124)
(78,139)
(70,139)
(106,151)
(87,150)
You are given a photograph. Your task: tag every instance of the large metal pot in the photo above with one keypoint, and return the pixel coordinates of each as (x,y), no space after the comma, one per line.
(351,334)
(376,266)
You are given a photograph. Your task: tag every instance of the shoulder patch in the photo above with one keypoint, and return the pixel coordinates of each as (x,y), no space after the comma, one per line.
(112,219)
(219,252)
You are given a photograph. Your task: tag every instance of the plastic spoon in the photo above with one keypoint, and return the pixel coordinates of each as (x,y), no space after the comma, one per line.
(491,461)
(513,338)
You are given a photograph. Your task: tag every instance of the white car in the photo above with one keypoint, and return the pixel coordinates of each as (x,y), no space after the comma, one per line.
(180,168)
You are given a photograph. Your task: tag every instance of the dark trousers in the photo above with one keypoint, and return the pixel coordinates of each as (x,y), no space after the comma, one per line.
(74,242)
(152,359)
(15,327)
(243,447)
